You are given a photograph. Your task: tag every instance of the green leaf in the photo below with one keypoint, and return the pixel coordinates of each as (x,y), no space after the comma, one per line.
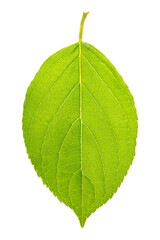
(80,127)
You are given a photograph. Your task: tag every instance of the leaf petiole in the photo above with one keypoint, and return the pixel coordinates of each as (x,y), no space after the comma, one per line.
(81,25)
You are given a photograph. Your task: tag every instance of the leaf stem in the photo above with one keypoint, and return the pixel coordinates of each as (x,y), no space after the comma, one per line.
(81,25)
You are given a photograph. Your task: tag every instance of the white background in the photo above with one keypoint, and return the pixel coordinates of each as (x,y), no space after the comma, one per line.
(128,33)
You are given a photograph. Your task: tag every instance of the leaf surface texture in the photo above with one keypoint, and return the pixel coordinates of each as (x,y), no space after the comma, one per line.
(80,127)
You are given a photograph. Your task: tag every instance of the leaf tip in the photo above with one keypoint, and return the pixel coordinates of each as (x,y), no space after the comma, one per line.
(82,220)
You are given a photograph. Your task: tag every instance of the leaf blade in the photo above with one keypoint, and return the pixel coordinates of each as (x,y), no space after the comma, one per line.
(80,128)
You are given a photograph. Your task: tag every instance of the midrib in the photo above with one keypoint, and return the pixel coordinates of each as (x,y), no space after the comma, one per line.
(80,86)
(80,92)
